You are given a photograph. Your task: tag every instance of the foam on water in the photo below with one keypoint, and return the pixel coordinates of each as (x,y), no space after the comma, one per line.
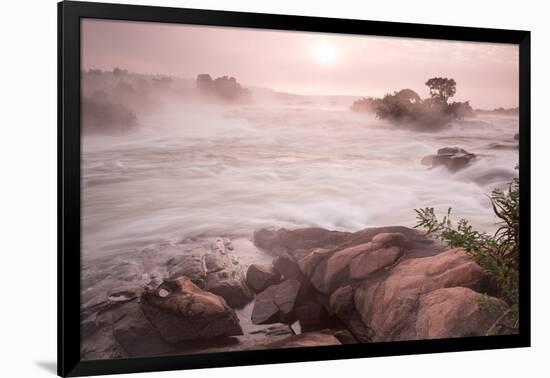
(206,170)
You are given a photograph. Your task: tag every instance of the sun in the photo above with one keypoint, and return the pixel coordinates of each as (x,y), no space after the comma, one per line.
(324,52)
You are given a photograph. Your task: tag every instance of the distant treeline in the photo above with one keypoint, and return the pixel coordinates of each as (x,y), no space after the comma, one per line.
(499,111)
(112,101)
(407,108)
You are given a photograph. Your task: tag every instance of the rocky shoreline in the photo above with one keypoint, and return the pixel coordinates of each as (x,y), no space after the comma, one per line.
(282,289)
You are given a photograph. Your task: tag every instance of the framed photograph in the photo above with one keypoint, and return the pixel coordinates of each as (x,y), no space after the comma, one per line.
(240,188)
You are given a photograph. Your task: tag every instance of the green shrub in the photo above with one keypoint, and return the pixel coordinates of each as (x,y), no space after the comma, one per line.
(497,254)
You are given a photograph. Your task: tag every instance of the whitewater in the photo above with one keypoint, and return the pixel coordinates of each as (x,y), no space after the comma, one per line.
(195,170)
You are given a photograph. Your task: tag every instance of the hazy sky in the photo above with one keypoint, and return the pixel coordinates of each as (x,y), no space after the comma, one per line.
(305,63)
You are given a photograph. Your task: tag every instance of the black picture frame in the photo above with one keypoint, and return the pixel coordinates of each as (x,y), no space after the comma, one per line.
(69,16)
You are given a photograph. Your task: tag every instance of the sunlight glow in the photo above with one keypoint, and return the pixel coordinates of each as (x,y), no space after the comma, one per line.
(324,52)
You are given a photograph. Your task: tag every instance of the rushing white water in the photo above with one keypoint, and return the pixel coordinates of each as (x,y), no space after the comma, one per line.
(209,170)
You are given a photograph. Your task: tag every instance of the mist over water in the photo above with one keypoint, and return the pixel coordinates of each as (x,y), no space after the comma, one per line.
(195,169)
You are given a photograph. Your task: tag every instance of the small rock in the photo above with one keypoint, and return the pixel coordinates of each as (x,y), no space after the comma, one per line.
(259,277)
(453,158)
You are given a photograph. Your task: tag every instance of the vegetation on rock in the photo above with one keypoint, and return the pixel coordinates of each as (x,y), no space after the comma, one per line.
(406,107)
(497,254)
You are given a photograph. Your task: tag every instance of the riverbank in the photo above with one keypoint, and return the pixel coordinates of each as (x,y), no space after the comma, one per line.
(282,288)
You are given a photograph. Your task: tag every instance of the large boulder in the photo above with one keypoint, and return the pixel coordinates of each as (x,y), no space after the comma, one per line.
(224,275)
(376,279)
(456,312)
(453,158)
(181,311)
(331,270)
(276,303)
(389,304)
(259,277)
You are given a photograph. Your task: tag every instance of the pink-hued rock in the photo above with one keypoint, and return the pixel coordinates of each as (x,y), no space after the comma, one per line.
(368,263)
(181,311)
(455,312)
(337,268)
(389,305)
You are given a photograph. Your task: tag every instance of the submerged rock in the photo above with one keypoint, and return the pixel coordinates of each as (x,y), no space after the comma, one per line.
(259,277)
(296,242)
(181,311)
(453,158)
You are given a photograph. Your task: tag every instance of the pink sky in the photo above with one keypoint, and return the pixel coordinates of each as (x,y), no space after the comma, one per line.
(305,63)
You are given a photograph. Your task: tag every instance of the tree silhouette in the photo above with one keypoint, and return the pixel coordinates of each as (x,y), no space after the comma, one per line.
(441,88)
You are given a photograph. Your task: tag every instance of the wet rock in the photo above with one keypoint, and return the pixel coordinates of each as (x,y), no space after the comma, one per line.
(259,277)
(135,334)
(451,150)
(453,158)
(93,323)
(190,266)
(502,146)
(224,276)
(296,242)
(275,304)
(100,346)
(181,311)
